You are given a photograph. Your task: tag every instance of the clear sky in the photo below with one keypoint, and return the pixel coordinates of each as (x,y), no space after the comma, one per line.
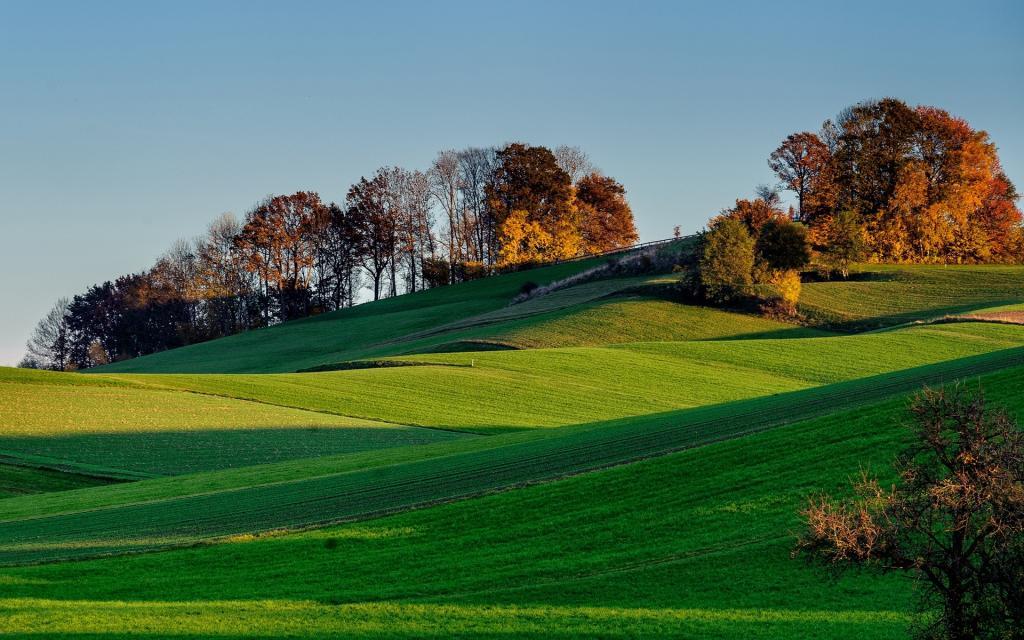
(124,126)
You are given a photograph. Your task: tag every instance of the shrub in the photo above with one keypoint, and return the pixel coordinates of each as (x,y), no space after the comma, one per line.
(727,260)
(783,245)
(527,288)
(787,289)
(436,272)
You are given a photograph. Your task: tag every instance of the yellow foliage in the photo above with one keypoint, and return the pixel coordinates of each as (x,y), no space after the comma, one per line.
(522,240)
(787,287)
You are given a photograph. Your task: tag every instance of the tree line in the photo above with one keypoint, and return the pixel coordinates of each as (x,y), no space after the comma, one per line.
(473,212)
(923,185)
(885,182)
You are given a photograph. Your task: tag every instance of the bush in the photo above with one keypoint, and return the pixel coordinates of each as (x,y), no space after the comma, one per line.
(527,288)
(787,289)
(727,260)
(783,245)
(436,272)
(471,270)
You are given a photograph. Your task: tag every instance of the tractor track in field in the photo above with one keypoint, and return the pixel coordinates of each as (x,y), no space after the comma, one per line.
(357,495)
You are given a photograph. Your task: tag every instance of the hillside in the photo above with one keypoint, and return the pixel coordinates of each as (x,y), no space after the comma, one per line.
(602,460)
(478,315)
(673,545)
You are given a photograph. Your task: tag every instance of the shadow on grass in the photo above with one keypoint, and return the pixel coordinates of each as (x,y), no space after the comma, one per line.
(178,452)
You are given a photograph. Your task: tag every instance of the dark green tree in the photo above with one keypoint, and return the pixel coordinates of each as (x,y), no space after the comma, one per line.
(783,245)
(727,260)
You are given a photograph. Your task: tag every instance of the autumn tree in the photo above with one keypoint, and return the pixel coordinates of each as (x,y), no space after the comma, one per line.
(372,209)
(276,241)
(955,519)
(528,179)
(927,186)
(754,214)
(223,284)
(49,347)
(574,162)
(727,259)
(606,220)
(522,240)
(802,163)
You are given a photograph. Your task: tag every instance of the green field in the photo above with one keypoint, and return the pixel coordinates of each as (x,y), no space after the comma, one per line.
(108,427)
(672,545)
(884,295)
(496,391)
(600,461)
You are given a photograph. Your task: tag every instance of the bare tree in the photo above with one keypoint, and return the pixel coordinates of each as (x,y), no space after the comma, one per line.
(446,185)
(573,161)
(955,520)
(412,193)
(50,344)
(223,286)
(370,205)
(476,166)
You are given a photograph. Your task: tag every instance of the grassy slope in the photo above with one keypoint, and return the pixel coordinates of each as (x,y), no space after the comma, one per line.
(479,311)
(346,334)
(21,480)
(884,295)
(163,513)
(623,319)
(694,544)
(508,390)
(86,422)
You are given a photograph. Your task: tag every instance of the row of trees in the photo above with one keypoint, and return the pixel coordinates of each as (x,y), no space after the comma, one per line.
(886,182)
(472,212)
(923,185)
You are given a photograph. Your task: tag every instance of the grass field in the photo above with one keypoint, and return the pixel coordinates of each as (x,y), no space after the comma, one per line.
(884,295)
(669,546)
(69,526)
(598,461)
(509,390)
(106,426)
(349,333)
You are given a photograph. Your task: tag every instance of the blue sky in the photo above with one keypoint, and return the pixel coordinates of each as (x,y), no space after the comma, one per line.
(124,126)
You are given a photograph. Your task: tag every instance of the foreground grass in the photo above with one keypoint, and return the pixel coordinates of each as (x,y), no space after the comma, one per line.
(148,515)
(100,424)
(694,544)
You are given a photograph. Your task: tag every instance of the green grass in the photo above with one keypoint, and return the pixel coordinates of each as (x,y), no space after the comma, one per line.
(293,504)
(149,515)
(693,544)
(103,425)
(20,480)
(362,331)
(510,390)
(885,295)
(464,315)
(624,319)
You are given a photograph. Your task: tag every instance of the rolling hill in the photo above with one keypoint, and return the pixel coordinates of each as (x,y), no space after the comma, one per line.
(602,460)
